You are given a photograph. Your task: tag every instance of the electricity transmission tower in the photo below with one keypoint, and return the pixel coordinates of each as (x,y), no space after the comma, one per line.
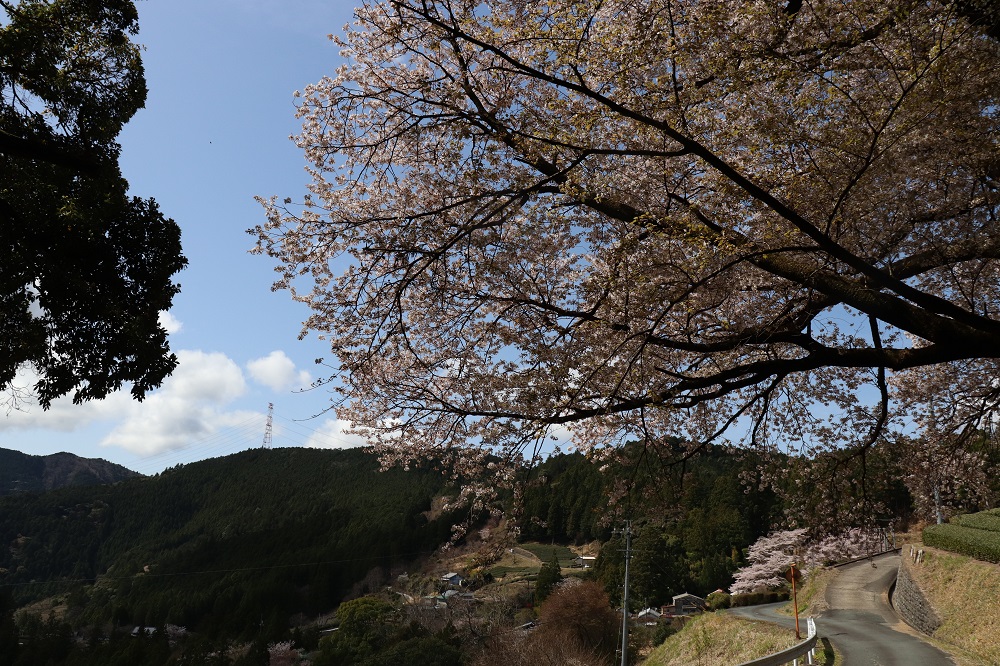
(269,428)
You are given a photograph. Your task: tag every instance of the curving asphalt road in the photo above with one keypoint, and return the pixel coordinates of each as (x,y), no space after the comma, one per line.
(860,622)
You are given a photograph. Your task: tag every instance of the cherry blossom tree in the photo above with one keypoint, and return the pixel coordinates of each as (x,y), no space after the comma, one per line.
(771,556)
(639,219)
(768,559)
(943,479)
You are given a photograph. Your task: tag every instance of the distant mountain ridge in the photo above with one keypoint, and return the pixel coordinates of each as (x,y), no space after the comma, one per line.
(219,544)
(25,473)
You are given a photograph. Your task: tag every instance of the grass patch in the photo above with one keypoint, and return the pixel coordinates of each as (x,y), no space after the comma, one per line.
(544,552)
(526,559)
(721,638)
(501,571)
(966,594)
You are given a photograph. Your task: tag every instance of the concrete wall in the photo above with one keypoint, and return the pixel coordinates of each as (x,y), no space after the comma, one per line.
(910,602)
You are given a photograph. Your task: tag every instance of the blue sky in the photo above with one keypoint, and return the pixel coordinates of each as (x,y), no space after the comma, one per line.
(214,133)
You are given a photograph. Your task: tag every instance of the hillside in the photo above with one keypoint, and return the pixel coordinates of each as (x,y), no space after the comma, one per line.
(223,545)
(965,594)
(24,473)
(259,548)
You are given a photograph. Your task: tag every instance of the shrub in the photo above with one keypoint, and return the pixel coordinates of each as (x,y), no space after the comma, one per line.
(549,577)
(755,598)
(980,544)
(581,615)
(664,630)
(981,521)
(719,600)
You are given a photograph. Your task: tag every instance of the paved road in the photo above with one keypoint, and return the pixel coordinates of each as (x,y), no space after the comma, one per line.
(860,622)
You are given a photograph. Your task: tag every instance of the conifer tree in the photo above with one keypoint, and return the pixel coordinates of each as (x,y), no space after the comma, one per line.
(549,576)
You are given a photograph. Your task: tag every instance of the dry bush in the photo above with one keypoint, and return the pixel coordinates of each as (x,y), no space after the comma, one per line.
(577,627)
(581,614)
(536,648)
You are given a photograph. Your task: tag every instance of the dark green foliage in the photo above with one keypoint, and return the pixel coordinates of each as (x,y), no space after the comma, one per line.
(695,514)
(47,641)
(693,520)
(420,651)
(87,269)
(8,629)
(123,650)
(230,547)
(364,627)
(664,630)
(756,598)
(372,633)
(544,551)
(982,544)
(660,567)
(549,576)
(563,500)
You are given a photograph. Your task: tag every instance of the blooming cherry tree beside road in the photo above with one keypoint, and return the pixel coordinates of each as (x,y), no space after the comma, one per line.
(642,219)
(771,556)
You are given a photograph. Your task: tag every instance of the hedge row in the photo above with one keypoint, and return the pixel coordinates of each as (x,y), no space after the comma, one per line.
(987,520)
(980,544)
(755,598)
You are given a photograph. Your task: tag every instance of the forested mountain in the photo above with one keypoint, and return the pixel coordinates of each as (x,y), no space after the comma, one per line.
(242,550)
(692,520)
(226,547)
(21,472)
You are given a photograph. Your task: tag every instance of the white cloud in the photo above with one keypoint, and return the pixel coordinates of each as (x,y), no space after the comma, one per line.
(332,435)
(278,372)
(169,322)
(63,415)
(189,405)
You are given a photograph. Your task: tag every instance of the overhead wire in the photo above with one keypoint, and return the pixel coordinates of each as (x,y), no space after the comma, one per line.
(241,436)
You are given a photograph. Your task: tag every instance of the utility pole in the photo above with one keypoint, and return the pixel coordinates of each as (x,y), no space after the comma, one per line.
(628,555)
(795,602)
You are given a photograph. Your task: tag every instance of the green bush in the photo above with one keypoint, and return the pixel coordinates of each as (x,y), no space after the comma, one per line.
(719,600)
(977,543)
(987,520)
(755,598)
(664,630)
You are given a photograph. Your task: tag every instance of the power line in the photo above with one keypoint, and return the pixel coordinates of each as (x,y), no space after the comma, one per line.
(96,579)
(225,440)
(241,436)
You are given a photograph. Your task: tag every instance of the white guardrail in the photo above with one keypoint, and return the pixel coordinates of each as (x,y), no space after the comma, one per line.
(806,648)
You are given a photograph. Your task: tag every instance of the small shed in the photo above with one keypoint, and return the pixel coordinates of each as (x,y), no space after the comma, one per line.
(453,578)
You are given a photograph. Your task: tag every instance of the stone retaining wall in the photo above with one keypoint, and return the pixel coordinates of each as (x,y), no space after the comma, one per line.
(911,603)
